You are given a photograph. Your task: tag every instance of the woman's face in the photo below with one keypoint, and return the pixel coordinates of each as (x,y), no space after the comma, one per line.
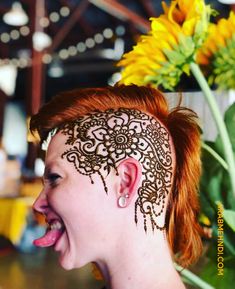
(75,209)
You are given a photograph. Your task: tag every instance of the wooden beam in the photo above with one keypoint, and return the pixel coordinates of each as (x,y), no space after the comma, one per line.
(37,64)
(36,77)
(3,98)
(148,7)
(123,13)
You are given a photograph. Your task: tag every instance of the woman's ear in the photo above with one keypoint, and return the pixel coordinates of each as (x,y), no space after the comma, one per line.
(130,173)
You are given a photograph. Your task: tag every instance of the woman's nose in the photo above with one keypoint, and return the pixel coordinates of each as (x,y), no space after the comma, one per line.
(41,204)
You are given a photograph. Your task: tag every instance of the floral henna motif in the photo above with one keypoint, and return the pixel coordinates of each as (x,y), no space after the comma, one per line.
(101,139)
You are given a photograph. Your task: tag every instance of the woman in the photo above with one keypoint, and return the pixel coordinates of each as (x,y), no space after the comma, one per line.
(120,184)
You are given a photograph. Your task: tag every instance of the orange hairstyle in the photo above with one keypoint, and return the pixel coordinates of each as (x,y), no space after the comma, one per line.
(183,230)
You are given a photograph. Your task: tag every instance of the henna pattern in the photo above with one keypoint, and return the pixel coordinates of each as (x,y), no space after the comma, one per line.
(101,139)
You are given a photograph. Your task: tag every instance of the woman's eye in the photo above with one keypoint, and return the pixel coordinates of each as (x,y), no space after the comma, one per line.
(52,178)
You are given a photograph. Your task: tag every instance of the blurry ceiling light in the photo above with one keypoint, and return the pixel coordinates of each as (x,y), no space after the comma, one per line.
(23,62)
(16,16)
(5,37)
(120,30)
(90,42)
(24,31)
(14,61)
(72,50)
(108,33)
(114,78)
(54,17)
(63,54)
(64,11)
(99,38)
(81,47)
(8,78)
(41,40)
(47,58)
(227,1)
(15,34)
(39,167)
(56,69)
(24,53)
(44,22)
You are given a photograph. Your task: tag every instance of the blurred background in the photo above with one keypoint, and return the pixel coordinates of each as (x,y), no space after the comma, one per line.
(47,47)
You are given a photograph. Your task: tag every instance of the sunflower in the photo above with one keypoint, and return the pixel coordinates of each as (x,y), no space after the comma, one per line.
(217,55)
(161,56)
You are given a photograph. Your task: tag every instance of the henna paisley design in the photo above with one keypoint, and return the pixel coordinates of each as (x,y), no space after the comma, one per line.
(99,140)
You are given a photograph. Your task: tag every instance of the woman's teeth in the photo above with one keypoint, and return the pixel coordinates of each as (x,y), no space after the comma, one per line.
(56,225)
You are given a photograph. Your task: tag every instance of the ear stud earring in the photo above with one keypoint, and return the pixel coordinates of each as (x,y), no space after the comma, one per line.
(122,201)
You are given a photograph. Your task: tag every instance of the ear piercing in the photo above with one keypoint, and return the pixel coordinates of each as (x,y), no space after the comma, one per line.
(122,201)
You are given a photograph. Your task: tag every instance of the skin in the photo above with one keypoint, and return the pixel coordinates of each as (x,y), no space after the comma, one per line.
(98,230)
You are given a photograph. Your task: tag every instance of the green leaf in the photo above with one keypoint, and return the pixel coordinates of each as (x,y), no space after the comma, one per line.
(174,57)
(209,272)
(186,45)
(229,119)
(206,206)
(229,217)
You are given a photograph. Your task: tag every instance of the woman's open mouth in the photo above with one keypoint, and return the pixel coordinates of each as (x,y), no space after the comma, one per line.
(54,231)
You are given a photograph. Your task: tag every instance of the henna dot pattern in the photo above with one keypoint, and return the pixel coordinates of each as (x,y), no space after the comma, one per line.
(99,140)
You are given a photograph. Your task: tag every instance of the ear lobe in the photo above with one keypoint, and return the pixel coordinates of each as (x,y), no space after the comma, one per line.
(130,173)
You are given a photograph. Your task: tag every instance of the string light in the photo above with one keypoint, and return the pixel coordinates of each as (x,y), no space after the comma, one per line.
(64,11)
(99,38)
(72,50)
(24,30)
(23,62)
(108,33)
(63,54)
(120,30)
(90,43)
(5,37)
(15,34)
(81,47)
(54,17)
(47,58)
(44,22)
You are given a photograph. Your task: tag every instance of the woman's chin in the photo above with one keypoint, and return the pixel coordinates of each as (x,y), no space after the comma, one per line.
(66,262)
(69,261)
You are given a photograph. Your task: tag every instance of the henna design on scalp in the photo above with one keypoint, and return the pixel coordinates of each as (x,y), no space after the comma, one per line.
(101,139)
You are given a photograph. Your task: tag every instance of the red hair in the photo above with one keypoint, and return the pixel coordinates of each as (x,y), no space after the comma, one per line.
(182,228)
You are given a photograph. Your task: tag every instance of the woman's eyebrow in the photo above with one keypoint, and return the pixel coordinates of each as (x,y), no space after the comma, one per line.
(47,172)
(50,167)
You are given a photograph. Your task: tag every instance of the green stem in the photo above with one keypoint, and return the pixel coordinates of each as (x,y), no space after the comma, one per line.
(228,152)
(193,278)
(215,155)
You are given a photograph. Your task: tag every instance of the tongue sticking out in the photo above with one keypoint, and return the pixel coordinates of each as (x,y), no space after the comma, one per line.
(51,236)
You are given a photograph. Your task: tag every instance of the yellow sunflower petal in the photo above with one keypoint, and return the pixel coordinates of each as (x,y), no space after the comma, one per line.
(189,26)
(185,5)
(223,29)
(174,14)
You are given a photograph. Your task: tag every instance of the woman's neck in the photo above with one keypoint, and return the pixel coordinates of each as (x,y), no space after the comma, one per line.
(143,264)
